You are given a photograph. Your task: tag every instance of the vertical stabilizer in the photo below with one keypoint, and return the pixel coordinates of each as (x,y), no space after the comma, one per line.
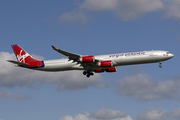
(23,57)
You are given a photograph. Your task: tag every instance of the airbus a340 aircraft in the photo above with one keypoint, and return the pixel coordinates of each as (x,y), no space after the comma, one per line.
(89,64)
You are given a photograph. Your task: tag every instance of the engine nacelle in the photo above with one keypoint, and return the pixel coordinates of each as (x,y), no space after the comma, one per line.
(105,63)
(87,59)
(98,71)
(112,69)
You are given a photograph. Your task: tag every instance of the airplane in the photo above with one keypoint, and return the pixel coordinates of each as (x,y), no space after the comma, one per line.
(89,63)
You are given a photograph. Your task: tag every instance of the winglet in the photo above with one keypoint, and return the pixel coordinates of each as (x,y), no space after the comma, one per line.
(53,47)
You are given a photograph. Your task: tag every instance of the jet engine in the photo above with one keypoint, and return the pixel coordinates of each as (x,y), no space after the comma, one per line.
(105,63)
(112,69)
(87,59)
(98,71)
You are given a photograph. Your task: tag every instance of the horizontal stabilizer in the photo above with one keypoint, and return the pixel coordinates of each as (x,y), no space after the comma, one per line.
(18,63)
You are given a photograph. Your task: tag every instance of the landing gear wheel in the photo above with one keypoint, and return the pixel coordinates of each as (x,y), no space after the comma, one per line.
(88,75)
(91,73)
(84,73)
(160,66)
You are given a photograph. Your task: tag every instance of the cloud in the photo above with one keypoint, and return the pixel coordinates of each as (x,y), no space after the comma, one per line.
(99,5)
(133,9)
(155,114)
(175,113)
(101,114)
(108,114)
(125,10)
(172,8)
(142,87)
(11,76)
(77,117)
(74,17)
(159,114)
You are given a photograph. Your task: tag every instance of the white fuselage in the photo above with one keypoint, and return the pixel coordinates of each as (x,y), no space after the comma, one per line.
(119,59)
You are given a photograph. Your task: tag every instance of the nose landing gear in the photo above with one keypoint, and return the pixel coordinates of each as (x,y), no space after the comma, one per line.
(160,66)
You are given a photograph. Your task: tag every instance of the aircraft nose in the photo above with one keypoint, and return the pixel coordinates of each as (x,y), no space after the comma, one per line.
(171,55)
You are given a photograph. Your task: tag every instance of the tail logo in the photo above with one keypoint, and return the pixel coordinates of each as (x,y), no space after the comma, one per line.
(21,57)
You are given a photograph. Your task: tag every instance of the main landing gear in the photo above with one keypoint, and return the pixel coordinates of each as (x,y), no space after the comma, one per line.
(88,73)
(160,66)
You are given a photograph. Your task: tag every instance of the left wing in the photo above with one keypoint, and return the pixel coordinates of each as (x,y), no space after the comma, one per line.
(80,59)
(71,56)
(88,62)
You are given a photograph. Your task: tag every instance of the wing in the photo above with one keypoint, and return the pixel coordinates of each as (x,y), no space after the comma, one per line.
(87,62)
(18,63)
(71,56)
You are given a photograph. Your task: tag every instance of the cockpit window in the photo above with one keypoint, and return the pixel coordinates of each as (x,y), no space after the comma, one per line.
(167,52)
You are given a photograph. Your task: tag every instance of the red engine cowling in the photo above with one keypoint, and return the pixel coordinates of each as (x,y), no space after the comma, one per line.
(87,59)
(105,63)
(98,71)
(112,69)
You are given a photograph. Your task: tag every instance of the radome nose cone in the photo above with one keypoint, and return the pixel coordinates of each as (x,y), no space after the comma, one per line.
(171,55)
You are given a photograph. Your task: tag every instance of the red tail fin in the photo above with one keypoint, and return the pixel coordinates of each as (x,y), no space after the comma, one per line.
(24,57)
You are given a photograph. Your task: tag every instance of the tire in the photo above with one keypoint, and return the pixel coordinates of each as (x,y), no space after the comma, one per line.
(84,73)
(88,75)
